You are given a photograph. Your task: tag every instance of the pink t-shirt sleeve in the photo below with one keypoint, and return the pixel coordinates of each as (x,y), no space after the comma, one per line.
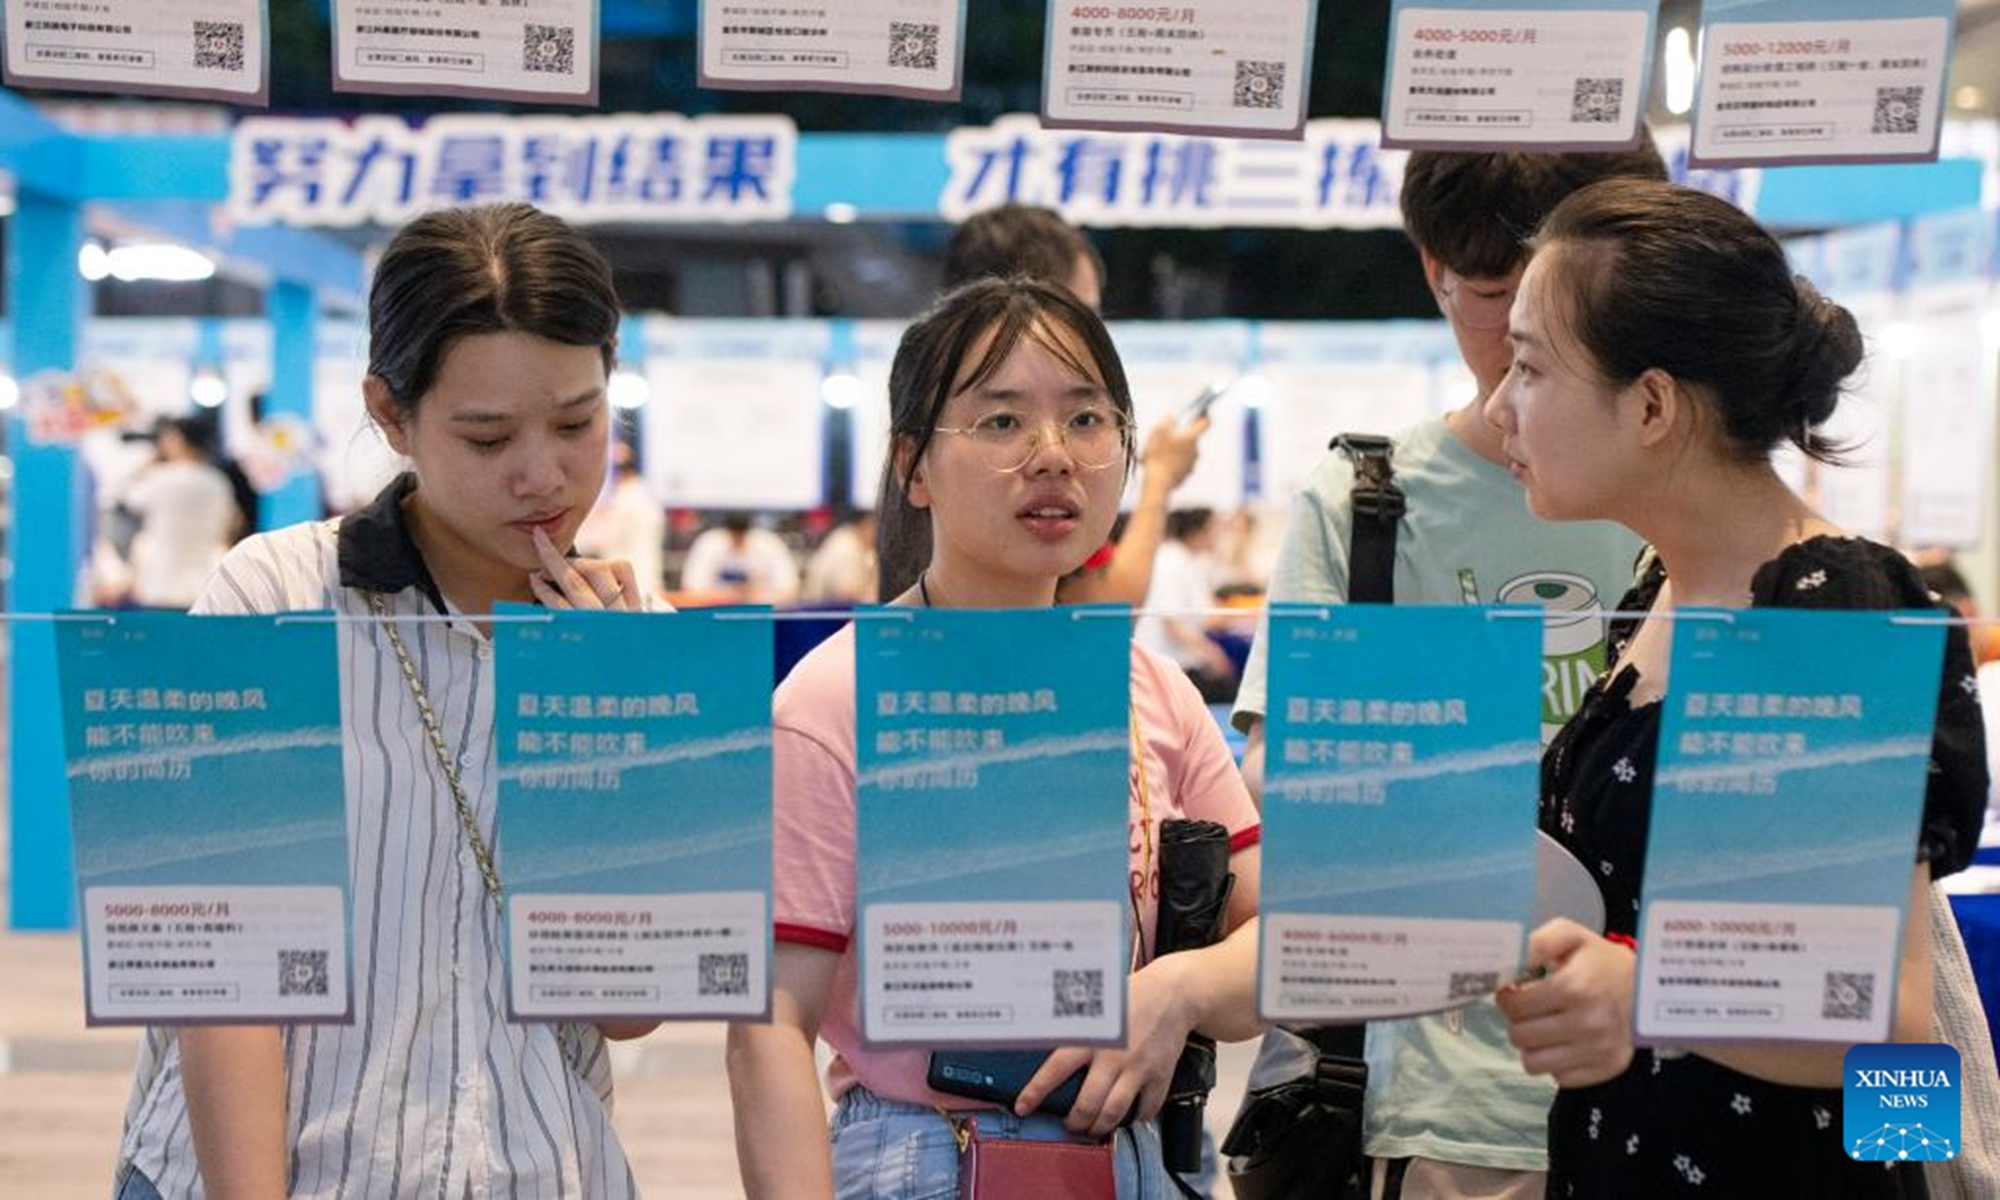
(812,776)
(1206,782)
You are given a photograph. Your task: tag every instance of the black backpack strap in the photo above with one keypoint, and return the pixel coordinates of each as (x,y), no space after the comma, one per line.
(1376,504)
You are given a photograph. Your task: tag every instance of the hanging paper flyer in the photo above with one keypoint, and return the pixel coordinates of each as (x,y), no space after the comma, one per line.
(1786,82)
(532,50)
(1947,449)
(635,813)
(991,814)
(1784,825)
(1402,748)
(1231,68)
(912,48)
(1544,75)
(195,49)
(210,815)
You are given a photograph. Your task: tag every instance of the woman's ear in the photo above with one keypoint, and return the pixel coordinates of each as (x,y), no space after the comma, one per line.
(386,413)
(1663,406)
(917,487)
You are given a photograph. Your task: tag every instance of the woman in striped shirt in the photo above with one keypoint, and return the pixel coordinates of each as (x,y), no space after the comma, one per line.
(491,333)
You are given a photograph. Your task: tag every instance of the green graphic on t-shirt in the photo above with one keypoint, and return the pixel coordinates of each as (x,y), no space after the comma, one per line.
(1573,639)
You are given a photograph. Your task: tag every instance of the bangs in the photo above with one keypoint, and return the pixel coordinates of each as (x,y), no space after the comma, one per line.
(1043,327)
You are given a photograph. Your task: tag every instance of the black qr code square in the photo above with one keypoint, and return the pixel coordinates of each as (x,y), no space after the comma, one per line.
(218,45)
(1849,996)
(1467,984)
(1897,109)
(302,973)
(549,49)
(913,46)
(1259,84)
(724,975)
(1079,993)
(1597,101)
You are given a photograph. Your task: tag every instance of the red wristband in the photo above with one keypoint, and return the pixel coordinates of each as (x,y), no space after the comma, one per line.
(1624,939)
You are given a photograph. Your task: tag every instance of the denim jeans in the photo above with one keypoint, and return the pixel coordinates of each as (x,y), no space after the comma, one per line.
(893,1150)
(133,1185)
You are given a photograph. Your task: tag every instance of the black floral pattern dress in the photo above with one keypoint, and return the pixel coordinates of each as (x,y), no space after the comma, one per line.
(1679,1124)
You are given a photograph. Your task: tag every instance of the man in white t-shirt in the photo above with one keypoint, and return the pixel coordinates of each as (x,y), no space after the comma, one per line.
(1183,587)
(739,563)
(187,521)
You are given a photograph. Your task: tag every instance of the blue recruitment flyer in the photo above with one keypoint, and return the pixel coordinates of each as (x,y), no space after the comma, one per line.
(210,814)
(991,809)
(1784,824)
(634,828)
(1549,75)
(1401,754)
(1787,82)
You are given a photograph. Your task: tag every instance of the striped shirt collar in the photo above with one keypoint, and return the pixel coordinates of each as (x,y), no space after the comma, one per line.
(377,553)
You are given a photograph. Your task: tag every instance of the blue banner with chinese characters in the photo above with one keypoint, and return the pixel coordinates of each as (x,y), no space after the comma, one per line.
(660,167)
(1401,750)
(210,816)
(992,802)
(635,812)
(1790,783)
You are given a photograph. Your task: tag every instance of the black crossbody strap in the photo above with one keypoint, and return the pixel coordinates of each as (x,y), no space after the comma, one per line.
(1376,506)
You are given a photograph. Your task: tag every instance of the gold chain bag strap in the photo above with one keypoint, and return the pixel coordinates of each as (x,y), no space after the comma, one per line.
(466,820)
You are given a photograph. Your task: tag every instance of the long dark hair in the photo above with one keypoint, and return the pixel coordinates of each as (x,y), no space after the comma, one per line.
(1653,275)
(931,367)
(492,269)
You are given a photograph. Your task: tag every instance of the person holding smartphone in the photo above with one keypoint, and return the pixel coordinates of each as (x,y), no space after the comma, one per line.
(1011,440)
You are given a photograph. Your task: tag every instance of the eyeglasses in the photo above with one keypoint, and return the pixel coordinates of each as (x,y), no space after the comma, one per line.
(1478,306)
(1095,438)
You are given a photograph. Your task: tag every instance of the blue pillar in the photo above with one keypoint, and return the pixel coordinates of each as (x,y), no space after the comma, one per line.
(294,316)
(46,296)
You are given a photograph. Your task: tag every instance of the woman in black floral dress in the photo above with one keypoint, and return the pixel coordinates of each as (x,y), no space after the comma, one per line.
(1663,349)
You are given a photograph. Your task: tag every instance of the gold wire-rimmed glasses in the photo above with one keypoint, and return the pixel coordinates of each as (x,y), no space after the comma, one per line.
(1095,437)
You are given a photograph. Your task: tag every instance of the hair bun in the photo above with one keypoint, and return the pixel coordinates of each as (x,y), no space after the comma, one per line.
(1826,349)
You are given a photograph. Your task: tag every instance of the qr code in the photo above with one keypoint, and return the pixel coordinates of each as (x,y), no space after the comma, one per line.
(1850,996)
(1897,109)
(301,972)
(913,46)
(1597,101)
(1465,984)
(218,45)
(549,49)
(724,975)
(1259,84)
(1079,993)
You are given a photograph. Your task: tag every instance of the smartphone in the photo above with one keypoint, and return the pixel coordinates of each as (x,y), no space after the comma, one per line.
(998,1076)
(1199,406)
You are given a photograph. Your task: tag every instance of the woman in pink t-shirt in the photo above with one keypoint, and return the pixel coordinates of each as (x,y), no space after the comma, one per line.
(1011,441)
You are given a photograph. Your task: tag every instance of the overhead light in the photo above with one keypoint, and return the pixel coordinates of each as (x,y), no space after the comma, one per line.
(1901,340)
(1678,59)
(842,389)
(628,390)
(92,262)
(842,214)
(208,388)
(160,262)
(1251,391)
(10,392)
(1969,97)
